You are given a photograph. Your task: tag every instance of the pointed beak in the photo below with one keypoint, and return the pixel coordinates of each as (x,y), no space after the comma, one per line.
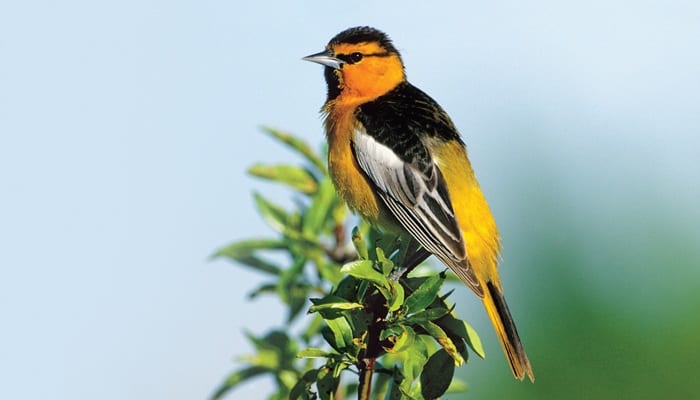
(325,58)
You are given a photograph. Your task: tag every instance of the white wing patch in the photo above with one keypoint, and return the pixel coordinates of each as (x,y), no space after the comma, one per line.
(419,202)
(379,161)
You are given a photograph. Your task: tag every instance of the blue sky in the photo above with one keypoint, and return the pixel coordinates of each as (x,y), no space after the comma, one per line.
(126,127)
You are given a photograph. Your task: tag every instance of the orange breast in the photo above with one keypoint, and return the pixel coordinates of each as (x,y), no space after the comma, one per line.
(351,184)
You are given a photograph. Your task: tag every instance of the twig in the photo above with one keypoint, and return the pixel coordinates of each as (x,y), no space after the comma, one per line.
(338,253)
(376,306)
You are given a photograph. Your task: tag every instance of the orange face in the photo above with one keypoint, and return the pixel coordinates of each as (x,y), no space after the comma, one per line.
(367,71)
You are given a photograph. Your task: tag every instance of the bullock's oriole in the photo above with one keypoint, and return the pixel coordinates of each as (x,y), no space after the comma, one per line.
(397,159)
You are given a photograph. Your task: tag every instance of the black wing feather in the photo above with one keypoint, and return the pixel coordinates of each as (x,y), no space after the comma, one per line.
(391,151)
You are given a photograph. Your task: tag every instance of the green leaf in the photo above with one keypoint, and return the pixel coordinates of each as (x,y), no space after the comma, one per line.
(275,351)
(441,337)
(391,330)
(248,247)
(297,301)
(402,338)
(464,331)
(290,175)
(244,252)
(335,306)
(274,215)
(364,269)
(425,294)
(327,383)
(281,394)
(319,213)
(446,295)
(395,297)
(388,242)
(298,145)
(341,334)
(437,375)
(359,320)
(313,329)
(414,360)
(313,352)
(474,341)
(339,366)
(332,303)
(301,388)
(406,247)
(259,264)
(358,240)
(330,271)
(380,386)
(273,340)
(348,288)
(263,289)
(430,314)
(288,378)
(385,264)
(397,381)
(289,278)
(237,378)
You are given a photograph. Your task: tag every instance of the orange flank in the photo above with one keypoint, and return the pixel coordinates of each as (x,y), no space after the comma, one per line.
(350,182)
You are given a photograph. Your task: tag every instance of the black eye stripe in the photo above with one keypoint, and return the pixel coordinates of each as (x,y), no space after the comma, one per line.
(348,58)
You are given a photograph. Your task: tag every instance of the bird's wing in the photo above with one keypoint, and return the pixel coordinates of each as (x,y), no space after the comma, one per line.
(416,194)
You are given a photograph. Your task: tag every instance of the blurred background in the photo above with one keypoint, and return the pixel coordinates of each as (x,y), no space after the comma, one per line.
(126,127)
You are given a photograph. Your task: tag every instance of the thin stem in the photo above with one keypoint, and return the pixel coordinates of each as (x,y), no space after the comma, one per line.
(376,305)
(366,374)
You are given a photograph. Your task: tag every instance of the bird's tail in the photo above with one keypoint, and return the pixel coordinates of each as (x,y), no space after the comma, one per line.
(502,321)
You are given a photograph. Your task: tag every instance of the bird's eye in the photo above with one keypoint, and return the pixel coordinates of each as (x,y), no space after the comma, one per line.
(355,57)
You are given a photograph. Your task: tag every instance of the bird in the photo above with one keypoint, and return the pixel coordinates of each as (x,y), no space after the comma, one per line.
(396,158)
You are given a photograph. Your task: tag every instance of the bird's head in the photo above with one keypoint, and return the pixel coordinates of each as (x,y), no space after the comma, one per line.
(361,65)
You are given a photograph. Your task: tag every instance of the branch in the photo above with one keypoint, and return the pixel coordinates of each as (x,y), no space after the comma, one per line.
(376,306)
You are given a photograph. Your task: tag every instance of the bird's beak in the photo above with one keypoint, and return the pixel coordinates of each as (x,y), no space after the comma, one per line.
(325,58)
